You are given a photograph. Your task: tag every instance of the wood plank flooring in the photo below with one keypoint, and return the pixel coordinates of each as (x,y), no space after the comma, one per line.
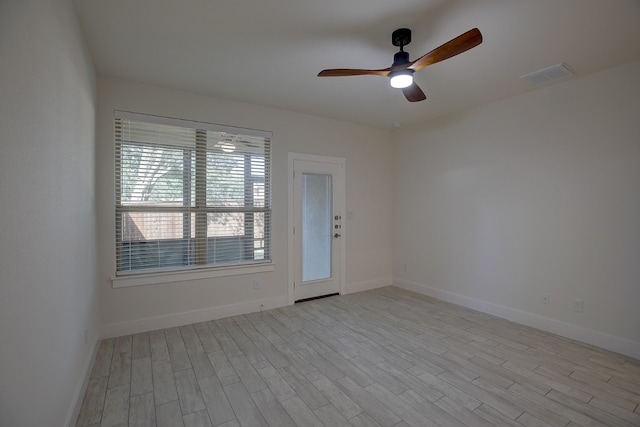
(386,357)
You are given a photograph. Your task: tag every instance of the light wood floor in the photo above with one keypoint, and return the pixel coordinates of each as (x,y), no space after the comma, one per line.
(386,357)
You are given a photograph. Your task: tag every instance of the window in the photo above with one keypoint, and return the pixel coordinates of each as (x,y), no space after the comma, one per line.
(190,195)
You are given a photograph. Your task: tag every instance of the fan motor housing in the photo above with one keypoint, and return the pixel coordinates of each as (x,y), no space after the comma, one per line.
(400,58)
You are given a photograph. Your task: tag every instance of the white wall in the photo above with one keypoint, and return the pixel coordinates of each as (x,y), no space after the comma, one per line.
(535,194)
(48,295)
(368,181)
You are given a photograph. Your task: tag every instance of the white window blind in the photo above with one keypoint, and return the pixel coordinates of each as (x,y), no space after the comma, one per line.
(190,194)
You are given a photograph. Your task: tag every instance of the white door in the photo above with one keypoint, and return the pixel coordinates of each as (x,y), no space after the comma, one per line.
(317,227)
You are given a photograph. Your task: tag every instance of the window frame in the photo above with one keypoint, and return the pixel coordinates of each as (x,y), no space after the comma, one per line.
(195,157)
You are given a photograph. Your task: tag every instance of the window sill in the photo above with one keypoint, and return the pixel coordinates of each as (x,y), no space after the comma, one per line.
(183,276)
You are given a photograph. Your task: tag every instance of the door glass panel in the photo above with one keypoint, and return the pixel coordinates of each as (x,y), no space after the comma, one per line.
(316,226)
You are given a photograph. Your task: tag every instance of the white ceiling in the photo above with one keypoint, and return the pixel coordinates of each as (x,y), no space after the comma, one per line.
(269,52)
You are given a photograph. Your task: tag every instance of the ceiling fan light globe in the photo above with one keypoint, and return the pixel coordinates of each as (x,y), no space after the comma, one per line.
(401,79)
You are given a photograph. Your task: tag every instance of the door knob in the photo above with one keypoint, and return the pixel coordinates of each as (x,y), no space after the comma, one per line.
(336,235)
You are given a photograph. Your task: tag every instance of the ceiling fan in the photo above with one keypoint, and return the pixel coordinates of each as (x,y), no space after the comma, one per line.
(400,73)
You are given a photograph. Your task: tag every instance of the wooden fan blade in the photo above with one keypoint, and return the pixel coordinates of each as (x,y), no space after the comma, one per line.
(462,43)
(342,72)
(413,93)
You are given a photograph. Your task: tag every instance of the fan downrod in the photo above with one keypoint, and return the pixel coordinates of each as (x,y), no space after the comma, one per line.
(401,37)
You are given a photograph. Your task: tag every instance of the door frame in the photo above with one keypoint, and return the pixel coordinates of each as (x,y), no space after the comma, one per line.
(341,187)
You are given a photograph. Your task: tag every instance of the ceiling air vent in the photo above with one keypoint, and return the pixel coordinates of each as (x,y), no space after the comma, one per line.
(546,75)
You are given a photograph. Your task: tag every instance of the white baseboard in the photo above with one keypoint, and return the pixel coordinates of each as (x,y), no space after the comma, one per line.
(367,285)
(185,318)
(578,333)
(81,388)
(178,319)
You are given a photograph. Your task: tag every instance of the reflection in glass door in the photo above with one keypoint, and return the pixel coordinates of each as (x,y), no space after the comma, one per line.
(316,226)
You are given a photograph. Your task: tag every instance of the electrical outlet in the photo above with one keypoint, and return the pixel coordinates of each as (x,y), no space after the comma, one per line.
(405,268)
(576,305)
(545,298)
(256,284)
